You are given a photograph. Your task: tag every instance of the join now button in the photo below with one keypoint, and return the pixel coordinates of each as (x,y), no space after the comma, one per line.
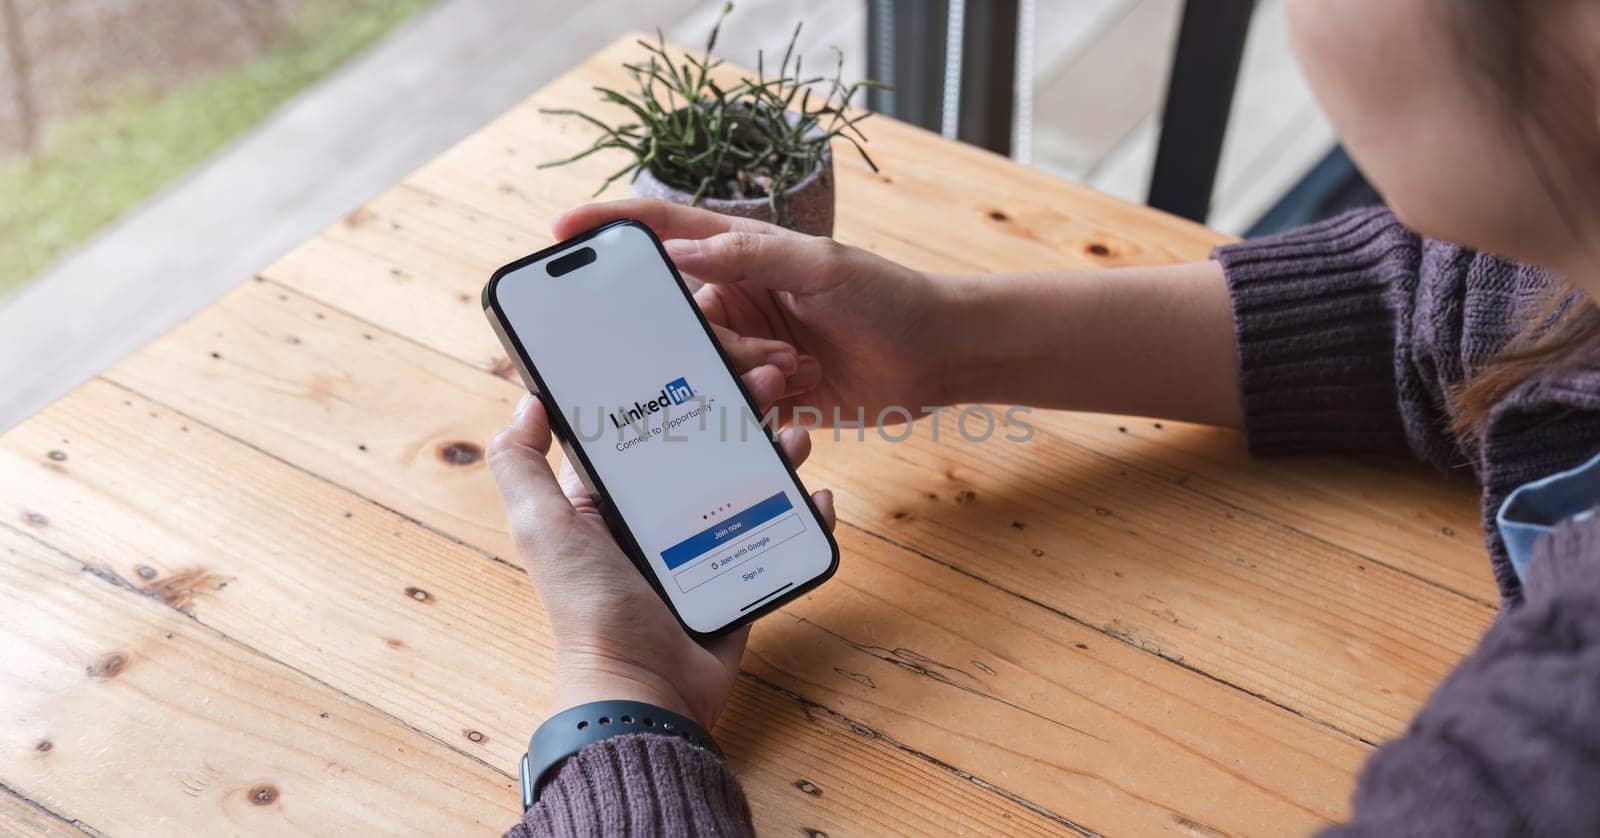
(742,522)
(736,552)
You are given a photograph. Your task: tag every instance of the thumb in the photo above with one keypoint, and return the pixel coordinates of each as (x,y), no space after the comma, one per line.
(799,264)
(518,458)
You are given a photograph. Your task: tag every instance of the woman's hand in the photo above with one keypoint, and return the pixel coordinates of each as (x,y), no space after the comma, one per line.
(1147,340)
(614,638)
(870,330)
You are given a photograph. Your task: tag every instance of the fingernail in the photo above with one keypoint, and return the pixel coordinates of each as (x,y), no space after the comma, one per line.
(682,247)
(522,405)
(784,360)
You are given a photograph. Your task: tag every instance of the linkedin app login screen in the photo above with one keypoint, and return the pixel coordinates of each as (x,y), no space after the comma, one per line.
(694,476)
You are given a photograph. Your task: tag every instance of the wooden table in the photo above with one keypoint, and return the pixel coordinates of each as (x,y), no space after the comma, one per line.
(256,579)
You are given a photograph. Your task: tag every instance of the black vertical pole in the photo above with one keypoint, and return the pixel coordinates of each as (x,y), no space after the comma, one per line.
(905,48)
(988,74)
(1205,67)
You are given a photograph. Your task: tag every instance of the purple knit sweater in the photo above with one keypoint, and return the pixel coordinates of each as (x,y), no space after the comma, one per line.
(1351,333)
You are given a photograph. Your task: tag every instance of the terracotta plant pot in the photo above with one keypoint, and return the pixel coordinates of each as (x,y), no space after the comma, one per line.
(810,200)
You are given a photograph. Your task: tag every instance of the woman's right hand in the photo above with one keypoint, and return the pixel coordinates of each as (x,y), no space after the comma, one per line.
(870,331)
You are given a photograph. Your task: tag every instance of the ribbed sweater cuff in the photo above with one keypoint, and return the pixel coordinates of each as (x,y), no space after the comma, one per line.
(644,784)
(1316,312)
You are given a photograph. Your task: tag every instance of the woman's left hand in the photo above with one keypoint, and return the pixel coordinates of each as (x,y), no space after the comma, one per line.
(614,637)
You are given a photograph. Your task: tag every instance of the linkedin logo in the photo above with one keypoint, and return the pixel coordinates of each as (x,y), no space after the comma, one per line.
(676,391)
(679,391)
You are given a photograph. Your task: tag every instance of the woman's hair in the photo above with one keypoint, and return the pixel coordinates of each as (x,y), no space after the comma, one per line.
(1565,330)
(1548,95)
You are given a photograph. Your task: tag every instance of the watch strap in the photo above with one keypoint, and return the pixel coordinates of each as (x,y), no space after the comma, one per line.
(576,728)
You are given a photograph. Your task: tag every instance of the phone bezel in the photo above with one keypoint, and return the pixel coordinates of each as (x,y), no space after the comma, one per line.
(586,471)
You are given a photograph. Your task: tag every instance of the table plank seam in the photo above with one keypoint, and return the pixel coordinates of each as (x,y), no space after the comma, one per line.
(1188,486)
(409,519)
(804,702)
(890,659)
(885,655)
(332,305)
(1122,638)
(1119,637)
(5,788)
(865,730)
(116,581)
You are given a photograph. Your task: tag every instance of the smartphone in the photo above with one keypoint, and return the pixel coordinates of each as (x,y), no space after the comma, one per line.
(659,427)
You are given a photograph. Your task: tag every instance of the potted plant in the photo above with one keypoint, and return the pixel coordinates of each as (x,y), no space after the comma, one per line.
(757,149)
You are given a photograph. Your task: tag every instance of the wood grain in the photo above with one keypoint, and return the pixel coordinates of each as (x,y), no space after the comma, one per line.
(261,546)
(1061,711)
(1293,620)
(1306,624)
(122,713)
(417,626)
(1130,615)
(441,664)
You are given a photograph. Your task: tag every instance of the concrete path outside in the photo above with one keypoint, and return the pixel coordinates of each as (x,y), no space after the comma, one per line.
(347,138)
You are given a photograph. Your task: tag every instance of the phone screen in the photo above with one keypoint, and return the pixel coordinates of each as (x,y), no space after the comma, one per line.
(666,432)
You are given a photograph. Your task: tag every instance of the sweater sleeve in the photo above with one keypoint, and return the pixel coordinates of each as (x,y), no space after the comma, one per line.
(1510,742)
(1353,331)
(643,784)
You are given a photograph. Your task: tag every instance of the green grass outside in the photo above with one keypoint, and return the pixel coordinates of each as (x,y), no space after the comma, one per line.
(92,168)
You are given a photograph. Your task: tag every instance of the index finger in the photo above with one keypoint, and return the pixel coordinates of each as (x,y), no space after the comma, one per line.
(668,220)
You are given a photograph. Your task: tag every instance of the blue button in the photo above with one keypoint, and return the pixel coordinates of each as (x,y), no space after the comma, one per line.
(743,522)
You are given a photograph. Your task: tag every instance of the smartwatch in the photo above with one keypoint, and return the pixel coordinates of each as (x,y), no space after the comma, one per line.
(576,728)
